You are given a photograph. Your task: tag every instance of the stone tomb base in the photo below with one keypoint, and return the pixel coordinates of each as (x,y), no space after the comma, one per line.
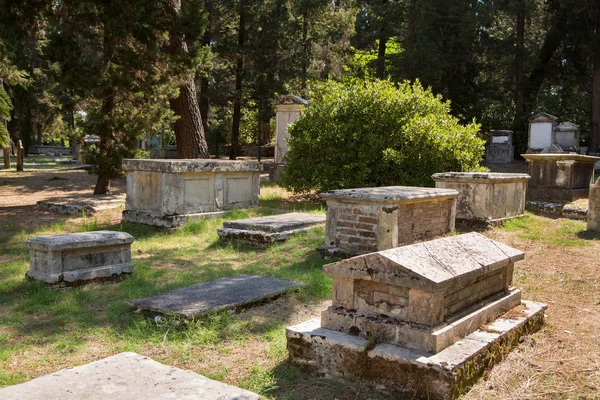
(81,206)
(269,229)
(125,376)
(409,373)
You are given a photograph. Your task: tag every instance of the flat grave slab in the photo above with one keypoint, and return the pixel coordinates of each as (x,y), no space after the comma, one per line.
(85,205)
(125,376)
(212,296)
(270,228)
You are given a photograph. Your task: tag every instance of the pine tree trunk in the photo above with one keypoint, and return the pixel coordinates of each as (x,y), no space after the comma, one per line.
(204,102)
(595,136)
(239,69)
(6,151)
(305,55)
(20,156)
(518,124)
(189,132)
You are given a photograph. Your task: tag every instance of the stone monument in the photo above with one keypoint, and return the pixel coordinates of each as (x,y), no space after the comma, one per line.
(485,197)
(77,257)
(288,111)
(364,220)
(566,136)
(168,193)
(501,149)
(593,214)
(423,321)
(541,132)
(561,177)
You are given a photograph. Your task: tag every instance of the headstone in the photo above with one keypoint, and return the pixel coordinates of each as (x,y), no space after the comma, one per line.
(168,193)
(213,296)
(566,135)
(288,111)
(593,214)
(85,206)
(559,177)
(364,220)
(501,149)
(78,257)
(269,229)
(412,319)
(125,376)
(20,156)
(541,131)
(485,197)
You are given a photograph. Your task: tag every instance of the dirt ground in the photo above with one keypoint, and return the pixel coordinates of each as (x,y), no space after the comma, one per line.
(561,361)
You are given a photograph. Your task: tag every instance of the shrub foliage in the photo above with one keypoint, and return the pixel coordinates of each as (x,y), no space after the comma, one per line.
(366,134)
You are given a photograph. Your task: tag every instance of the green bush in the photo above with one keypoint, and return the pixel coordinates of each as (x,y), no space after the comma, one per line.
(366,134)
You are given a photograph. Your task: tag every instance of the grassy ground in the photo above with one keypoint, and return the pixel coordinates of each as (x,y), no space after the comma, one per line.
(43,330)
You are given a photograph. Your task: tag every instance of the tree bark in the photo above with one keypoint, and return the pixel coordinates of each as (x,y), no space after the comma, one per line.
(189,132)
(6,151)
(20,156)
(380,64)
(204,102)
(305,55)
(595,135)
(239,69)
(518,123)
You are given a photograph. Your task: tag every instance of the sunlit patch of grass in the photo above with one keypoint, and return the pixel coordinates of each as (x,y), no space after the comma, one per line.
(551,232)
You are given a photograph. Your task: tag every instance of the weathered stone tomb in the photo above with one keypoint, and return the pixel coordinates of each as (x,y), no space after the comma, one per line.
(78,257)
(485,197)
(541,132)
(562,177)
(501,149)
(269,229)
(364,220)
(593,214)
(168,193)
(423,320)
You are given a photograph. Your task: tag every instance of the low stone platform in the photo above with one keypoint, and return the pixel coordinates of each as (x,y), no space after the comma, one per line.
(213,296)
(125,376)
(577,209)
(77,257)
(82,206)
(409,373)
(269,229)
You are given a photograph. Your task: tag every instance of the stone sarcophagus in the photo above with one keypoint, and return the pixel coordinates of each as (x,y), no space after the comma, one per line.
(562,177)
(168,193)
(417,296)
(423,321)
(364,220)
(77,257)
(485,197)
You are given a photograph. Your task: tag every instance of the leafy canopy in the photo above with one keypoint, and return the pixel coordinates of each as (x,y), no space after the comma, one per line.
(366,134)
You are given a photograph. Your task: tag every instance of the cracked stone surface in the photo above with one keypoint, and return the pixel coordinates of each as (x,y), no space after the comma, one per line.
(212,296)
(125,376)
(277,223)
(389,193)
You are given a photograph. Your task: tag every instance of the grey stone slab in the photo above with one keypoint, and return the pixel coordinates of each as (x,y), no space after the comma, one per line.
(220,294)
(277,223)
(389,194)
(480,177)
(125,376)
(77,206)
(78,240)
(182,166)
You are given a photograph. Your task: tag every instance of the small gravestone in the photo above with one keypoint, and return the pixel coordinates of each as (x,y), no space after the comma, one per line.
(593,215)
(125,376)
(269,229)
(78,257)
(541,132)
(221,294)
(501,149)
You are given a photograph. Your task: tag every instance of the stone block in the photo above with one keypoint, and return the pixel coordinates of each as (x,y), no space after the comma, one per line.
(269,229)
(170,192)
(82,206)
(364,220)
(77,257)
(593,214)
(125,376)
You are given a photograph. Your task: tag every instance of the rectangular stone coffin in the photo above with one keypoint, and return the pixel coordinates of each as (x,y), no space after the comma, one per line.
(560,177)
(78,257)
(170,192)
(364,220)
(485,197)
(424,296)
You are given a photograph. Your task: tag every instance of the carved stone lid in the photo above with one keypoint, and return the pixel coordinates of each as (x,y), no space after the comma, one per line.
(388,194)
(479,177)
(542,117)
(552,157)
(566,127)
(191,165)
(78,240)
(432,266)
(292,99)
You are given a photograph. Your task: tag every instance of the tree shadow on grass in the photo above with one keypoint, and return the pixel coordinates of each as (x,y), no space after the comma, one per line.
(589,235)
